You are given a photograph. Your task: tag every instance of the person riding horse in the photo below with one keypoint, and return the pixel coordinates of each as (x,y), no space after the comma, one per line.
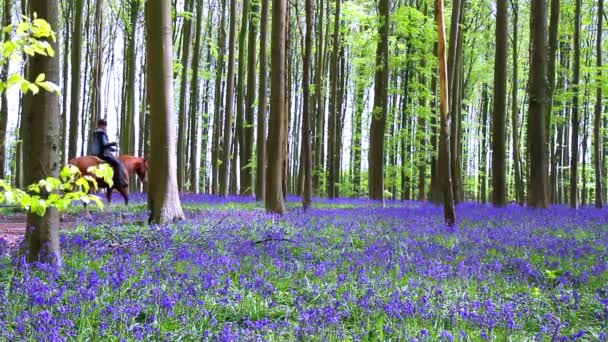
(103,149)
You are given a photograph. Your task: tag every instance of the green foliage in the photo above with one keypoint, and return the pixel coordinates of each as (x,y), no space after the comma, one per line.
(31,37)
(57,192)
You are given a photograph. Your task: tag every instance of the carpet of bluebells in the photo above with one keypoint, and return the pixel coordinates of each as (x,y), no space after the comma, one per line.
(348,270)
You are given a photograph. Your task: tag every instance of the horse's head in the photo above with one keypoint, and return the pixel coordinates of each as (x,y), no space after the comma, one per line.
(141,169)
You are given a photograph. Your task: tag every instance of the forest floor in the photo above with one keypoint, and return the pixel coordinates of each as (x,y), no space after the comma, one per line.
(346,270)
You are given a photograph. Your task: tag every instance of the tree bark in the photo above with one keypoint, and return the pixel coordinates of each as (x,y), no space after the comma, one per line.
(380,109)
(194,108)
(163,196)
(276,129)
(597,138)
(519,186)
(75,84)
(227,138)
(6,20)
(41,145)
(537,182)
(247,179)
(499,176)
(307,109)
(260,185)
(575,107)
(449,212)
(183,91)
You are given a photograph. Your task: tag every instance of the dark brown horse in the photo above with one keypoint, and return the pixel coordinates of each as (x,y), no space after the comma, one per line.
(132,165)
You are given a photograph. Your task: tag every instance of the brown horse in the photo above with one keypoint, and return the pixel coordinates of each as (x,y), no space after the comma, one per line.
(132,165)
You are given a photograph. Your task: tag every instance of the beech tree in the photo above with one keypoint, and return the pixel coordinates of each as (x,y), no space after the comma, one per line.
(163,196)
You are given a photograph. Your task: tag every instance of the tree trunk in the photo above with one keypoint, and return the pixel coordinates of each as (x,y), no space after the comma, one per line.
(95,110)
(307,108)
(334,70)
(537,183)
(519,186)
(449,212)
(40,146)
(76,58)
(575,107)
(247,179)
(276,129)
(194,93)
(597,138)
(260,182)
(499,163)
(227,139)
(217,116)
(183,90)
(163,196)
(380,109)
(6,20)
(483,179)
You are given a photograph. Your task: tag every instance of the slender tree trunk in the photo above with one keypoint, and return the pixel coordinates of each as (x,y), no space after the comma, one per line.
(483,179)
(163,196)
(193,105)
(67,13)
(276,129)
(247,179)
(519,186)
(575,107)
(227,139)
(537,183)
(6,20)
(377,129)
(597,138)
(260,185)
(334,70)
(75,79)
(444,143)
(239,136)
(356,135)
(218,106)
(95,107)
(499,163)
(41,155)
(307,108)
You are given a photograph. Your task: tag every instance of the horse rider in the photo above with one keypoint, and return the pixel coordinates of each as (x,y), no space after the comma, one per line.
(103,149)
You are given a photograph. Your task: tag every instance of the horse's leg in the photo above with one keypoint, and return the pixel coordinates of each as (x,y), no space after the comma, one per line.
(109,195)
(124,191)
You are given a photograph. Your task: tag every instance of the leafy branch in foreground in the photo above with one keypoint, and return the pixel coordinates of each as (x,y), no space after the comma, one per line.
(57,192)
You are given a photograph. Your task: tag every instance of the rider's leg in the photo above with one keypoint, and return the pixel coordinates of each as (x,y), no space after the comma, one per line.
(118,171)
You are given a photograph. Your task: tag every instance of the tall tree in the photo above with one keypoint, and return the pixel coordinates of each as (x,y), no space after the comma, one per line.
(499,176)
(276,128)
(334,111)
(575,107)
(41,155)
(239,138)
(380,111)
(227,137)
(6,20)
(218,106)
(194,101)
(307,108)
(247,153)
(519,186)
(182,110)
(449,211)
(597,122)
(537,182)
(76,59)
(163,196)
(260,177)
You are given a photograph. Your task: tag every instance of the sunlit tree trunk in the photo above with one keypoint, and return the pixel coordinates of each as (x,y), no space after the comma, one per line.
(6,20)
(247,179)
(444,143)
(40,146)
(163,196)
(218,105)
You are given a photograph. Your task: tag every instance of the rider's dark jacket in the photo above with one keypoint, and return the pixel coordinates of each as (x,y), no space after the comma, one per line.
(101,146)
